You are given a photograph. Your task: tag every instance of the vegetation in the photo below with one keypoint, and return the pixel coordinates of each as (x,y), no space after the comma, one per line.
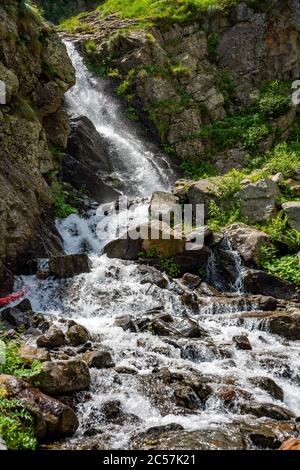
(16,425)
(285,267)
(197,171)
(168,264)
(14,365)
(61,207)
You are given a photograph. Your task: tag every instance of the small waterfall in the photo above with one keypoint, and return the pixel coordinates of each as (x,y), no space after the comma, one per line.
(225,268)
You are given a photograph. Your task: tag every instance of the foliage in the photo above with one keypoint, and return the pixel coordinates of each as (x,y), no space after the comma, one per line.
(273,100)
(168,264)
(280,232)
(90,47)
(219,218)
(14,365)
(285,267)
(196,171)
(76,23)
(16,425)
(61,207)
(230,184)
(212,45)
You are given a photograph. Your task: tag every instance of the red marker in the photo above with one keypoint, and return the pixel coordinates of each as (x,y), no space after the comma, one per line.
(12,297)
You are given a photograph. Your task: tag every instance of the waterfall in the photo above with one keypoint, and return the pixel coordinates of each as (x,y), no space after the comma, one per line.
(140,165)
(231,278)
(114,289)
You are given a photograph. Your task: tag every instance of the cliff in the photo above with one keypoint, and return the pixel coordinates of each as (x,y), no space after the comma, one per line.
(36,71)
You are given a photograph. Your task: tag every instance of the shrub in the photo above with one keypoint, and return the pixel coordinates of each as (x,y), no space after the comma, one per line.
(197,171)
(285,267)
(274,100)
(16,366)
(219,218)
(61,207)
(280,232)
(16,425)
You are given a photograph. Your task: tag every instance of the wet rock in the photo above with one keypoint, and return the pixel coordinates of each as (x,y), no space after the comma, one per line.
(186,397)
(30,354)
(230,395)
(287,326)
(268,410)
(266,434)
(80,176)
(192,330)
(69,265)
(77,335)
(98,359)
(292,210)
(291,444)
(247,241)
(151,275)
(6,280)
(269,385)
(2,444)
(227,438)
(52,418)
(113,413)
(54,338)
(259,282)
(191,281)
(125,370)
(203,192)
(258,200)
(60,377)
(126,323)
(18,316)
(242,343)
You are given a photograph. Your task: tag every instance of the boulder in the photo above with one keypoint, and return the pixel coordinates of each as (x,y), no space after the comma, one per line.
(292,210)
(77,335)
(267,410)
(98,359)
(287,326)
(59,377)
(19,316)
(261,283)
(53,419)
(69,265)
(81,177)
(247,241)
(242,343)
(203,192)
(258,200)
(54,338)
(87,146)
(163,204)
(6,280)
(30,354)
(151,275)
(268,385)
(2,444)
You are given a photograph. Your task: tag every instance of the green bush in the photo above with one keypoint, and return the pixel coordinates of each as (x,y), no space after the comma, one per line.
(16,425)
(61,207)
(197,171)
(274,100)
(280,232)
(285,267)
(219,218)
(16,366)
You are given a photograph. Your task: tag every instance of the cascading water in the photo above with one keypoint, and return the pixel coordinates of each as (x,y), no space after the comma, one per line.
(114,289)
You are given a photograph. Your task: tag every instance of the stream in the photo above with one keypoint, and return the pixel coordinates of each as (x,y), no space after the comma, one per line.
(116,289)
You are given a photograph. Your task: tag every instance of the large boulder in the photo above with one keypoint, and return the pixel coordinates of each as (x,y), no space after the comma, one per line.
(258,200)
(86,145)
(164,204)
(77,335)
(82,177)
(284,325)
(69,265)
(60,377)
(52,418)
(247,241)
(203,192)
(268,410)
(292,210)
(261,283)
(53,338)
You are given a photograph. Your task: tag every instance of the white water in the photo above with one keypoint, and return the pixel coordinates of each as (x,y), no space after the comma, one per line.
(115,288)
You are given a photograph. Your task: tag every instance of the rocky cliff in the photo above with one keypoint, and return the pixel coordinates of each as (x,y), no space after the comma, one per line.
(183,76)
(36,71)
(58,9)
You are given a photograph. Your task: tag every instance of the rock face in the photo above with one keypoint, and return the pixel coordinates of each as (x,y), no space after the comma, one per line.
(69,265)
(261,283)
(59,9)
(251,44)
(37,72)
(52,418)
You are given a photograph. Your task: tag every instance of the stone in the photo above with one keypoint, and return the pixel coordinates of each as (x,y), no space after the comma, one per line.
(11,82)
(113,413)
(6,280)
(2,444)
(267,410)
(163,204)
(292,210)
(77,335)
(247,241)
(203,192)
(191,281)
(53,338)
(60,377)
(30,354)
(287,326)
(291,444)
(151,275)
(242,343)
(261,283)
(16,318)
(269,385)
(69,265)
(258,200)
(53,419)
(98,359)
